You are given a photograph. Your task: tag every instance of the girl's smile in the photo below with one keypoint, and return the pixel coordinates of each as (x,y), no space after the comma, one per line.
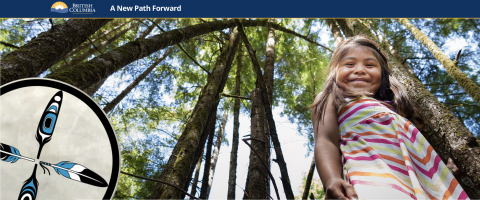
(359,71)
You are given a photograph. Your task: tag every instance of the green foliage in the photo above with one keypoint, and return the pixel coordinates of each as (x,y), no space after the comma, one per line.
(141,157)
(316,188)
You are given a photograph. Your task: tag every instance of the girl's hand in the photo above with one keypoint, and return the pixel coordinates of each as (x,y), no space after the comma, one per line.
(340,189)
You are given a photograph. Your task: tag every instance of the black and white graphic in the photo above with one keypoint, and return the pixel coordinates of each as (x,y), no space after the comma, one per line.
(70,135)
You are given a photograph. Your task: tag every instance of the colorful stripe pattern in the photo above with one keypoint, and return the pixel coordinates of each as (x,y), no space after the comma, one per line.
(385,151)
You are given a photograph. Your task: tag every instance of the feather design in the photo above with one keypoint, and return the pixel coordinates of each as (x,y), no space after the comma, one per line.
(78,173)
(11,154)
(48,120)
(29,188)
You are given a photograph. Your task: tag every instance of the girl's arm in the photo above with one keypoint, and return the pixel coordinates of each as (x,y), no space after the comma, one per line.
(327,154)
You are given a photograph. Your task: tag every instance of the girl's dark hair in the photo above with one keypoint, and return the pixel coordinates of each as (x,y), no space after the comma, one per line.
(390,89)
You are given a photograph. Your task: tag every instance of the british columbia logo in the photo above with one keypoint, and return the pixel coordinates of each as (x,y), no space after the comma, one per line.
(59,7)
(76,8)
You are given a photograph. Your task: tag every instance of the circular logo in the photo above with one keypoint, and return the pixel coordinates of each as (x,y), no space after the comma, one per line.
(55,143)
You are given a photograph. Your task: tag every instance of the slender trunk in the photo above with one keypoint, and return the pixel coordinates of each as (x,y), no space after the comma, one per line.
(447,135)
(102,37)
(77,59)
(257,174)
(335,31)
(271,123)
(268,73)
(208,160)
(92,90)
(216,151)
(90,72)
(309,180)
(183,158)
(345,29)
(47,49)
(232,176)
(132,85)
(466,83)
(150,28)
(197,173)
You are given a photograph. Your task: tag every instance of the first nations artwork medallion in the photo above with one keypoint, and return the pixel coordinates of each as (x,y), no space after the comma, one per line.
(55,143)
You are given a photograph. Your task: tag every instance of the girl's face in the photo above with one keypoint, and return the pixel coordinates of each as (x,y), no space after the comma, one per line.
(359,71)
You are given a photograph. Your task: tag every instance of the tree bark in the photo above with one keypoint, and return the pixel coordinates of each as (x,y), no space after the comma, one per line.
(182,160)
(271,123)
(268,73)
(92,90)
(232,176)
(132,85)
(216,151)
(447,135)
(257,174)
(466,83)
(47,49)
(208,158)
(335,31)
(77,59)
(197,173)
(345,29)
(309,180)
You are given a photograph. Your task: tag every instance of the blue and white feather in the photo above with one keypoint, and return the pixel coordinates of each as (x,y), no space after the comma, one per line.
(11,154)
(78,173)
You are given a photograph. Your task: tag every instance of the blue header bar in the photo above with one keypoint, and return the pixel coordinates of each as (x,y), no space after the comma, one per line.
(240,9)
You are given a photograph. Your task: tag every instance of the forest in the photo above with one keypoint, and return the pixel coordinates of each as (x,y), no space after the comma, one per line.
(176,90)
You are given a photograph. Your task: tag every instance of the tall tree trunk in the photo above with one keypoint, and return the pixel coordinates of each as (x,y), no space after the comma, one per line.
(87,44)
(77,59)
(183,158)
(268,74)
(447,135)
(216,151)
(257,174)
(47,49)
(309,180)
(232,176)
(197,174)
(132,85)
(466,83)
(208,159)
(271,123)
(335,31)
(93,71)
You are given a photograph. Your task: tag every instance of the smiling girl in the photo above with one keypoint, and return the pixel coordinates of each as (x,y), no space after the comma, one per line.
(364,113)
